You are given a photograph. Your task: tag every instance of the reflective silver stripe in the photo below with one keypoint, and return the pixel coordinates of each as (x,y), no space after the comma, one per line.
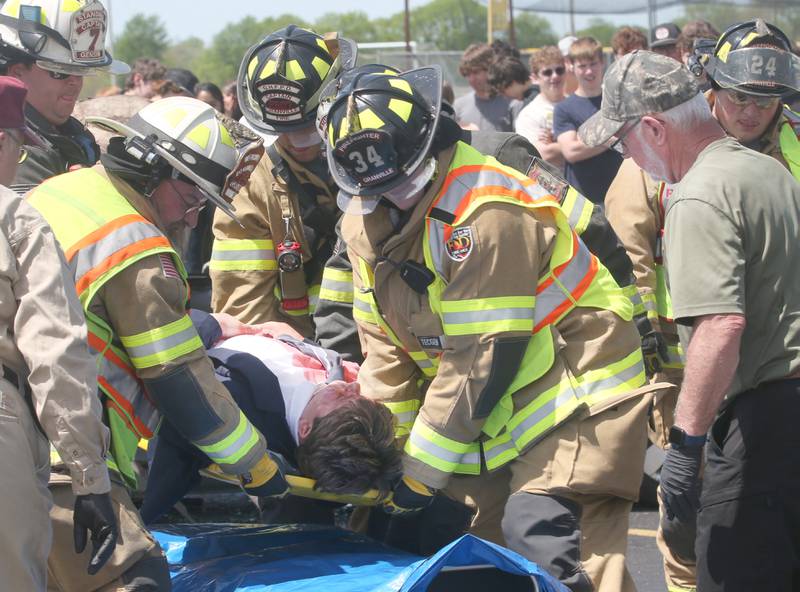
(650,304)
(220,455)
(471,458)
(361,304)
(249,255)
(163,344)
(437,451)
(566,396)
(498,450)
(405,417)
(549,299)
(577,210)
(478,316)
(132,391)
(436,242)
(335,285)
(93,255)
(602,384)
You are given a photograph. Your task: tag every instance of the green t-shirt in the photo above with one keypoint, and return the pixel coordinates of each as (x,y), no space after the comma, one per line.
(732,245)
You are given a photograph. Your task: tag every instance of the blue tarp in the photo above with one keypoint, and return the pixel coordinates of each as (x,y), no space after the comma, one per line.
(248,558)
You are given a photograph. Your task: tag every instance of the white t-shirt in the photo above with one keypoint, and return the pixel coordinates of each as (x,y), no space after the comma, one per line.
(298,374)
(535,117)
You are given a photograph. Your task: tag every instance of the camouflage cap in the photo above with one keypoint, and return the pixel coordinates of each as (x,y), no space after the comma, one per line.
(637,84)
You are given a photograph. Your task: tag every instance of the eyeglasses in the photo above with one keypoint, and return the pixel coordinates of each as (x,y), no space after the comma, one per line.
(57,75)
(618,145)
(559,71)
(193,206)
(741,99)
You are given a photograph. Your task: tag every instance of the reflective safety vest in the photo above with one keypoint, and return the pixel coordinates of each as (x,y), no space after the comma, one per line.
(575,278)
(102,234)
(663,300)
(789,139)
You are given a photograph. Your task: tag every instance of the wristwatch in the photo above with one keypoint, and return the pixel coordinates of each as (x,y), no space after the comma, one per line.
(680,439)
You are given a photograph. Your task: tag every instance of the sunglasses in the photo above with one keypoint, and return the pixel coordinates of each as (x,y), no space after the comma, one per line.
(559,71)
(57,75)
(741,99)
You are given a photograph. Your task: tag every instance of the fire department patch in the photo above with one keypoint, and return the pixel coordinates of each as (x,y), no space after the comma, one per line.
(459,246)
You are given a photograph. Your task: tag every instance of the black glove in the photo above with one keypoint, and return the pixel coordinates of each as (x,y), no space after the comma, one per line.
(655,352)
(94,512)
(680,536)
(409,496)
(680,482)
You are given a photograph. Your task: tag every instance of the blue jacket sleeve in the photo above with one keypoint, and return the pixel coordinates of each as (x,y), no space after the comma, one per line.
(207,327)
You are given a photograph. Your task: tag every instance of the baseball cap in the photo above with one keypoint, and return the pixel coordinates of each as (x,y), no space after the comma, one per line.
(565,43)
(639,83)
(664,34)
(12,109)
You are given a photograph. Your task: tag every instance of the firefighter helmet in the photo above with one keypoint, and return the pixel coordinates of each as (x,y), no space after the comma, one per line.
(754,57)
(281,77)
(64,36)
(380,131)
(213,152)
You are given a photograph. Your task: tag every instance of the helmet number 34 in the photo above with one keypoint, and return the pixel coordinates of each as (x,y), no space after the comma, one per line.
(360,164)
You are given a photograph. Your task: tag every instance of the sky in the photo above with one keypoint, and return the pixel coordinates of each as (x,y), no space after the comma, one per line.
(187,18)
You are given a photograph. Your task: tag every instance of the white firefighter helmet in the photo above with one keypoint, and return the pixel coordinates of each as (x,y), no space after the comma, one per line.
(213,152)
(64,36)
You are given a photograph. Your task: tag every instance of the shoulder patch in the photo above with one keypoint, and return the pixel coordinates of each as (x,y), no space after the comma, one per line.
(168,266)
(459,245)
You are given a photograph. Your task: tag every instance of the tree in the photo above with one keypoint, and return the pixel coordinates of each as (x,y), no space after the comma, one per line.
(600,29)
(531,30)
(785,18)
(355,25)
(449,24)
(143,37)
(188,54)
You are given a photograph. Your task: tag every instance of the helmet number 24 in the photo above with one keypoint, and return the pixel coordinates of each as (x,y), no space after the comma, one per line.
(373,158)
(757,63)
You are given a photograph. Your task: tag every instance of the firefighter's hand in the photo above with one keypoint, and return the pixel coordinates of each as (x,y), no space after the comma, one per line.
(655,352)
(265,479)
(409,496)
(94,513)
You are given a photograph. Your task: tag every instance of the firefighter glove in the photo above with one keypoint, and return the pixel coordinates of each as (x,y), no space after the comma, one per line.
(409,496)
(94,513)
(680,482)
(265,479)
(655,352)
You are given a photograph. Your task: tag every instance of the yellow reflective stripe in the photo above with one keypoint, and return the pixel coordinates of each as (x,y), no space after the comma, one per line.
(435,450)
(337,285)
(313,298)
(235,445)
(404,412)
(673,588)
(243,255)
(663,299)
(362,310)
(162,345)
(488,315)
(636,299)
(428,365)
(578,210)
(676,358)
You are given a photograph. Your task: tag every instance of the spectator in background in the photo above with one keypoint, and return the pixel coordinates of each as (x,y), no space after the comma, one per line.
(448,95)
(144,74)
(627,39)
(209,93)
(535,121)
(481,107)
(664,40)
(571,83)
(167,88)
(502,48)
(692,31)
(230,101)
(184,79)
(508,76)
(109,91)
(589,170)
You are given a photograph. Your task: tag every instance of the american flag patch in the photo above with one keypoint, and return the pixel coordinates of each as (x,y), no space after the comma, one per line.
(168,265)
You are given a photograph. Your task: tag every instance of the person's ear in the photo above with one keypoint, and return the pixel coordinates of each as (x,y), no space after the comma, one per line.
(303,428)
(654,130)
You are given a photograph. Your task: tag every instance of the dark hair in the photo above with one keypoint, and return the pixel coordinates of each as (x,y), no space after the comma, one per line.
(183,78)
(627,39)
(692,30)
(503,48)
(231,89)
(477,56)
(211,89)
(506,70)
(352,449)
(149,69)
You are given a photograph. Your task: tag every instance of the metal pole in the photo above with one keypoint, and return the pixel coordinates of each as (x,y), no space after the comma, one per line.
(512,37)
(407,26)
(109,42)
(651,14)
(572,17)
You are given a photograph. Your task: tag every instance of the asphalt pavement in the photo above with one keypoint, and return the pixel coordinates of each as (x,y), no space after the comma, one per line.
(644,560)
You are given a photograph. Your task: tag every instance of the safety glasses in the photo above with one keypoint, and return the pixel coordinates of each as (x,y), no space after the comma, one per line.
(558,71)
(618,145)
(741,99)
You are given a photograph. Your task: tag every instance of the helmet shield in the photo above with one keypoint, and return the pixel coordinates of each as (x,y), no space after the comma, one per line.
(370,161)
(281,77)
(759,70)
